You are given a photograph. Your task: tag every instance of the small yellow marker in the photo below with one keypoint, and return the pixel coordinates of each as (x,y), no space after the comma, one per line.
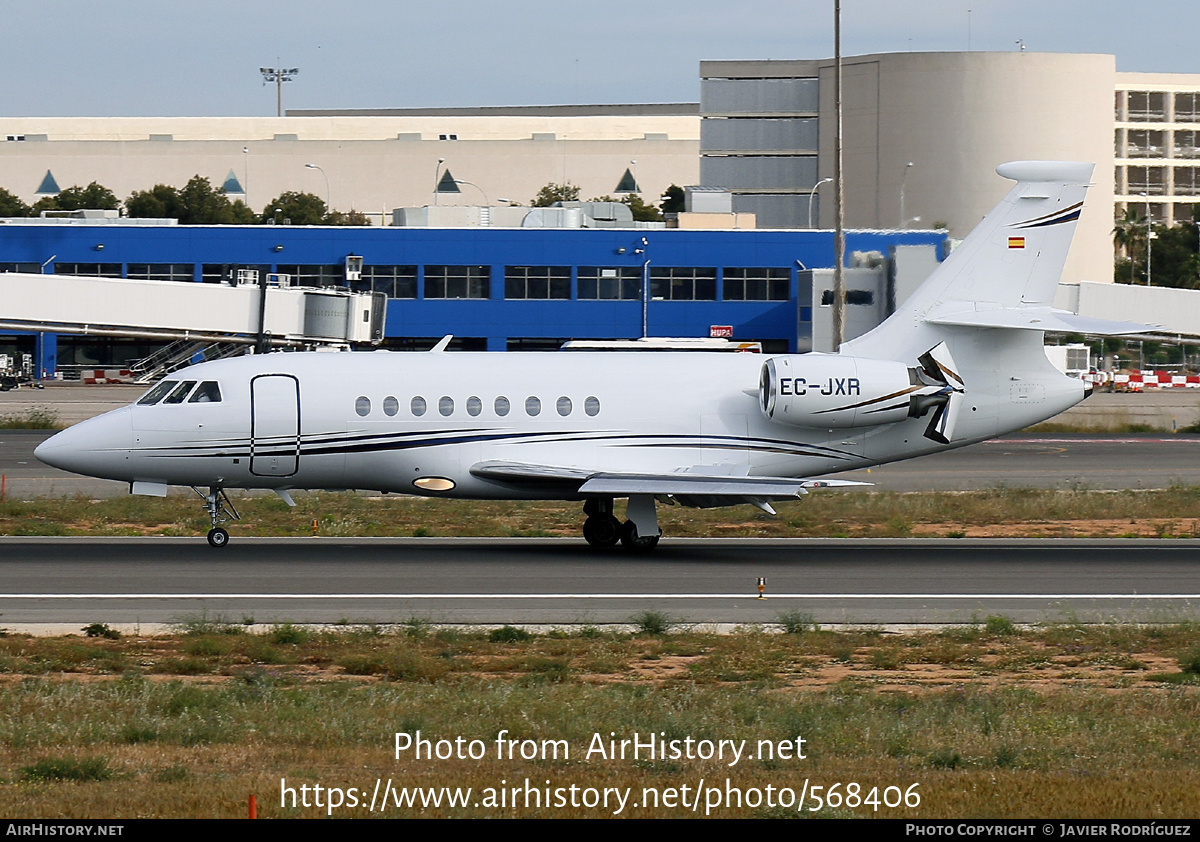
(314,527)
(762,586)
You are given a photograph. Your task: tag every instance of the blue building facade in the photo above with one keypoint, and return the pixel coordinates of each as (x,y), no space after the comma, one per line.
(493,288)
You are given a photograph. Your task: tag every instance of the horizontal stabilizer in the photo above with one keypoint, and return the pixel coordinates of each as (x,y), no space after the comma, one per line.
(1038,318)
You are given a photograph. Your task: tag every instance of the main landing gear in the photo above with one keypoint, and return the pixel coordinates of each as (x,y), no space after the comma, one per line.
(220,510)
(639,534)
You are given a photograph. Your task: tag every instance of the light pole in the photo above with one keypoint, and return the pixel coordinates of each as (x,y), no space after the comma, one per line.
(1149,235)
(486,203)
(278,75)
(246,174)
(903,179)
(812,193)
(437,173)
(328,200)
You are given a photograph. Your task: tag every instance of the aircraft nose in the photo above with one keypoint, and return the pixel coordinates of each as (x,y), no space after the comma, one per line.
(97,447)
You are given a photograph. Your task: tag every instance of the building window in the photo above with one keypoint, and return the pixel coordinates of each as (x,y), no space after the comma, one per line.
(457,281)
(1147,106)
(29,268)
(1149,180)
(162,271)
(756,284)
(537,281)
(90,270)
(308,275)
(1144,143)
(447,137)
(392,281)
(683,283)
(1187,181)
(1187,144)
(853,296)
(597,283)
(1187,107)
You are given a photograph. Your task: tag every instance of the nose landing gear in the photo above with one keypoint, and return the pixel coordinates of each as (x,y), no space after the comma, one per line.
(220,510)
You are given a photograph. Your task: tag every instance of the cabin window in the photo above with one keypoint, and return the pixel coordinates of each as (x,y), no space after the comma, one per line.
(362,405)
(180,392)
(592,405)
(474,406)
(390,406)
(207,392)
(502,406)
(446,405)
(156,394)
(533,406)
(563,406)
(417,406)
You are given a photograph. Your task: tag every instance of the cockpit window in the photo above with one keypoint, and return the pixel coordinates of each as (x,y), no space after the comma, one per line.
(207,392)
(156,394)
(180,392)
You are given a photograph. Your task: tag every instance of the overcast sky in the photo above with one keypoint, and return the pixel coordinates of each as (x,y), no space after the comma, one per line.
(155,57)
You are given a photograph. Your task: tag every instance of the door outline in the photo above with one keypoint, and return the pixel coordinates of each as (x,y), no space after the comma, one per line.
(266,459)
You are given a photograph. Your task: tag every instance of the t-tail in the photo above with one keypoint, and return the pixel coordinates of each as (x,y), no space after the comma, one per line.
(973,333)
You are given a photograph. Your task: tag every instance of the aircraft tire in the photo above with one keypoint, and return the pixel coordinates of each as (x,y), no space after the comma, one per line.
(218,537)
(602,531)
(637,543)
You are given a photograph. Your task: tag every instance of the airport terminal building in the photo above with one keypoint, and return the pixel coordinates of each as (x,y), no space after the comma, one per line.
(493,288)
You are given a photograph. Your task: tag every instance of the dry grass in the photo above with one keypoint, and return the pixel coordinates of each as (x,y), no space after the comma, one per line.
(1173,512)
(990,721)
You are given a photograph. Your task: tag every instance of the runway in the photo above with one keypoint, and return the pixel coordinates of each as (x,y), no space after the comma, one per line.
(562,581)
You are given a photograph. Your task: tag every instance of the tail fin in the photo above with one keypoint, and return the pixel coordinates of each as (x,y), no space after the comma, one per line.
(1012,261)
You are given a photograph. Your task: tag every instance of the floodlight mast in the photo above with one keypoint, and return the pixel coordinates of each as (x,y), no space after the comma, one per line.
(278,75)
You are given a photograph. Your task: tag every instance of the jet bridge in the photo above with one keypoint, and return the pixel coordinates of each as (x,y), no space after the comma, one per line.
(266,312)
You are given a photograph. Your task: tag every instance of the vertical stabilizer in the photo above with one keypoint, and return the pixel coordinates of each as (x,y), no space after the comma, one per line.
(1011,261)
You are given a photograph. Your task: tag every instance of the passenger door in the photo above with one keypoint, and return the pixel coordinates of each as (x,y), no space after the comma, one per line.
(274,425)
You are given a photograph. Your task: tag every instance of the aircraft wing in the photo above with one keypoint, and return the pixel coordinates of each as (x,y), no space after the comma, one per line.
(674,484)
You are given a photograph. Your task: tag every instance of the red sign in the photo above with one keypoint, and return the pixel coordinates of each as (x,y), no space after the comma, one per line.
(720,331)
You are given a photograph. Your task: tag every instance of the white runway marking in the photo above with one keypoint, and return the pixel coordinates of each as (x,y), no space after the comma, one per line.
(533,596)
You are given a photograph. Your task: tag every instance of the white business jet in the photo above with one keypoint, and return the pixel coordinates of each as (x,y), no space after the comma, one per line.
(961,361)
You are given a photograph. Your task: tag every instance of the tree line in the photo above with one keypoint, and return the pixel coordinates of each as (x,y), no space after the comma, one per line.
(1174,251)
(672,200)
(197,203)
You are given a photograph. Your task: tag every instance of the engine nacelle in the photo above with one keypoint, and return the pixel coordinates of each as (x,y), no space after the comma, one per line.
(829,390)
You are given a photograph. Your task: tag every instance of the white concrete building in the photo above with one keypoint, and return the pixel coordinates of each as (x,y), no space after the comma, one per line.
(374,161)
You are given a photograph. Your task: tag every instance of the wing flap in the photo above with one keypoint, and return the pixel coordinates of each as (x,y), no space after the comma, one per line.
(676,484)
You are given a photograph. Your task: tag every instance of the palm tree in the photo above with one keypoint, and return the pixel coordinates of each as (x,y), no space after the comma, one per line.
(1128,235)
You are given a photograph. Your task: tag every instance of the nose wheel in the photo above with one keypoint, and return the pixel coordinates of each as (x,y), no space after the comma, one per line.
(220,510)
